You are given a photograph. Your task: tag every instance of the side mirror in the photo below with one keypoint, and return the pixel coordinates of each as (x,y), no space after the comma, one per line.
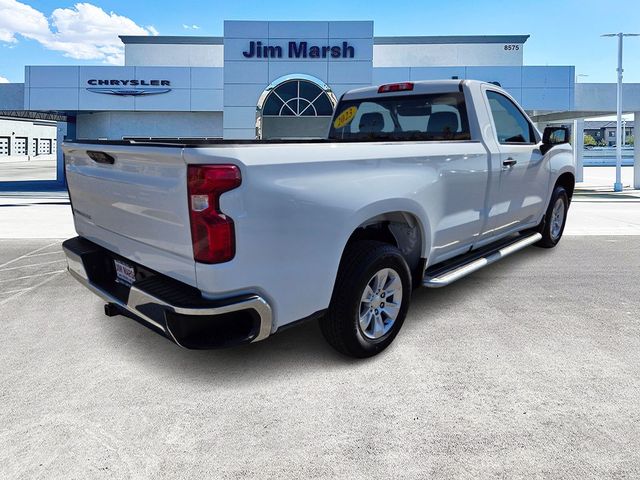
(553,136)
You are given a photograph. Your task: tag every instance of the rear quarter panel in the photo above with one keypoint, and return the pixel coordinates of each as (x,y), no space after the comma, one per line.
(298,205)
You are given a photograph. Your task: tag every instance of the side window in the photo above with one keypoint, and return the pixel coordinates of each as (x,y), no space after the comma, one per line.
(511,125)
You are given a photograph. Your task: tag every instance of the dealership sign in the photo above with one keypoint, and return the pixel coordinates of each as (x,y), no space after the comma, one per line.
(256,49)
(128,88)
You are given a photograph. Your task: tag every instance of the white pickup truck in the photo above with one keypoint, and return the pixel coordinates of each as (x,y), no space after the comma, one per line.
(227,242)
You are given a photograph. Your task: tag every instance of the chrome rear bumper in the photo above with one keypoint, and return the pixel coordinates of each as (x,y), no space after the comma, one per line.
(165,315)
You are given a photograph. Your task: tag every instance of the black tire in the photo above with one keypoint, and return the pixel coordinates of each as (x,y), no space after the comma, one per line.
(550,235)
(341,325)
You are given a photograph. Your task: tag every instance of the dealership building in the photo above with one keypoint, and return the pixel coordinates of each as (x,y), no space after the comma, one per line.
(282,80)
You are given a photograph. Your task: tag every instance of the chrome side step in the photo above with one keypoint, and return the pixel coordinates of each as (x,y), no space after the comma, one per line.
(444,278)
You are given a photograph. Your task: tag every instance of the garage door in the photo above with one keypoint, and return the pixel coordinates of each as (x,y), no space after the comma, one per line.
(20,146)
(4,146)
(44,146)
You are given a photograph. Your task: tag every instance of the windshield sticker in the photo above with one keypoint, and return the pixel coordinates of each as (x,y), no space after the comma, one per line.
(345,117)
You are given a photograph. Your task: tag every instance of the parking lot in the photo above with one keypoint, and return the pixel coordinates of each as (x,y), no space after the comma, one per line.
(34,169)
(529,368)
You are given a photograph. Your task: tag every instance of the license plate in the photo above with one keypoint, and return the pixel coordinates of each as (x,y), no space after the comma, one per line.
(125,273)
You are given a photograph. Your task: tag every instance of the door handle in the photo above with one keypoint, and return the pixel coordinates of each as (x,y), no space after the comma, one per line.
(509,162)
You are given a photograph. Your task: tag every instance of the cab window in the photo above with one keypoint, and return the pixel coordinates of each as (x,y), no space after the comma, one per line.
(366,116)
(511,125)
(427,117)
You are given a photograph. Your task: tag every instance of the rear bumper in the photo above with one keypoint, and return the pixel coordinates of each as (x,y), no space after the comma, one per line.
(175,309)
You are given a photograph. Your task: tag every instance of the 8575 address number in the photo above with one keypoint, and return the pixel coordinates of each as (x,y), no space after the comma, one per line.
(510,47)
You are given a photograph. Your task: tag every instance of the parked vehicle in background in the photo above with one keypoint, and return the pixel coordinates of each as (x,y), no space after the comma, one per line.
(418,184)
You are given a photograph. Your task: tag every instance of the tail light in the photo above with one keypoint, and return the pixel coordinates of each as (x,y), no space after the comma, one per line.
(212,232)
(395,87)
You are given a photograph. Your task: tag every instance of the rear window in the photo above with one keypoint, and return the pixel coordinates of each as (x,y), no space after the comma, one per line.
(413,117)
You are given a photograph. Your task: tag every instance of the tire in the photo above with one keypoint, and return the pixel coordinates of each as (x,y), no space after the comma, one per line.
(552,225)
(362,327)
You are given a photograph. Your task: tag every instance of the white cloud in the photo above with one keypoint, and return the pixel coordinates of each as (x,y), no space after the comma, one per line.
(3,80)
(84,32)
(18,18)
(190,27)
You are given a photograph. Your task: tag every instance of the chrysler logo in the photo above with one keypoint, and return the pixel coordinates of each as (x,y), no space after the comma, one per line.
(129,92)
(129,88)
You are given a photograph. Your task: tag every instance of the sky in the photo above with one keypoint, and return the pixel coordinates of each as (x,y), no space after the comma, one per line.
(59,32)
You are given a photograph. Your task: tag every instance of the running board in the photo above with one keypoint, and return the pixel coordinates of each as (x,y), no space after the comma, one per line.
(442,278)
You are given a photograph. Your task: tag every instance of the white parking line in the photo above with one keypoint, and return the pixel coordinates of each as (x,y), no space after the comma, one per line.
(7,292)
(38,285)
(32,265)
(57,252)
(32,276)
(30,253)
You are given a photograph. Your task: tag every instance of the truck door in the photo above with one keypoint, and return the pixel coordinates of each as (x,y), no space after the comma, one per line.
(519,176)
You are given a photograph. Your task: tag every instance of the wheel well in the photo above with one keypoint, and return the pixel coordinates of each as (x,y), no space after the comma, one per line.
(400,229)
(568,181)
(376,231)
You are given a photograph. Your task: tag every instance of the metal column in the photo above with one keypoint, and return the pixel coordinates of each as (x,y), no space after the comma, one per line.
(578,148)
(636,151)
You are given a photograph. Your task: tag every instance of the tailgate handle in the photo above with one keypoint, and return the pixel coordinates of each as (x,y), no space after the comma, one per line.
(101,157)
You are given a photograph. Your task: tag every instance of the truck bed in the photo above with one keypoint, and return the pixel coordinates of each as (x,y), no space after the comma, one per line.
(212,142)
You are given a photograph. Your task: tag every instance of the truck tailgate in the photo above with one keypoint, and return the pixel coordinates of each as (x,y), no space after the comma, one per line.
(136,206)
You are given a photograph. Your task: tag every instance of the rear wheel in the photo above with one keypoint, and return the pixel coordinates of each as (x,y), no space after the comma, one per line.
(370,299)
(552,226)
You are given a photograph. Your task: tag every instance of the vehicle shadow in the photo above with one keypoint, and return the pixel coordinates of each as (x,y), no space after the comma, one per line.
(287,353)
(297,351)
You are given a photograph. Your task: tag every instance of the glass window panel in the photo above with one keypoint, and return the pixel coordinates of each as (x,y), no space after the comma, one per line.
(412,117)
(511,124)
(272,105)
(323,106)
(287,90)
(309,90)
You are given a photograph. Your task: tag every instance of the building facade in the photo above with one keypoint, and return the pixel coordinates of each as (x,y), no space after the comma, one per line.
(604,132)
(266,79)
(272,79)
(26,139)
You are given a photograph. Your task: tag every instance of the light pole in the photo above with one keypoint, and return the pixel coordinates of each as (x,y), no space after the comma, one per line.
(617,187)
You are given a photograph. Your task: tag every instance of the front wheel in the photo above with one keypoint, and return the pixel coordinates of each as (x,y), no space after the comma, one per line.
(552,226)
(370,299)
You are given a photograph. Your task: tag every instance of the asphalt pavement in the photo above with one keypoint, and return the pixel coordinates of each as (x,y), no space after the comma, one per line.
(526,369)
(28,170)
